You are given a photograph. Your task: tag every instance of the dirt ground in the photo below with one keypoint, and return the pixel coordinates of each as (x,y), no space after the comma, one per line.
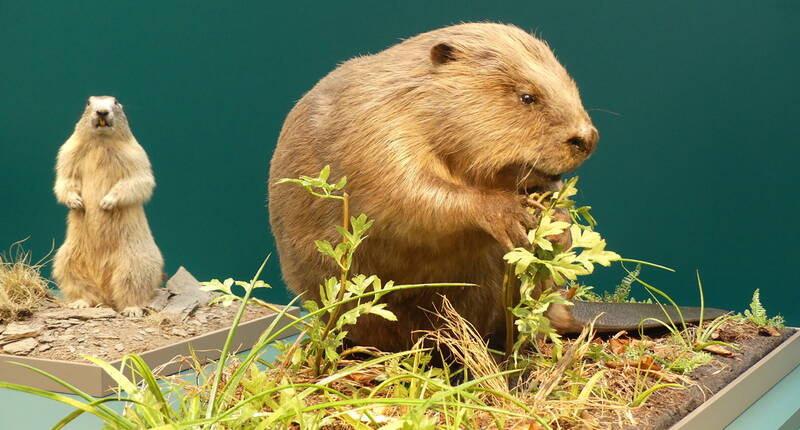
(109,335)
(667,407)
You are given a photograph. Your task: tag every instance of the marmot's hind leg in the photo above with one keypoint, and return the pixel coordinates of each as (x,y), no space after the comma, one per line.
(79,292)
(134,283)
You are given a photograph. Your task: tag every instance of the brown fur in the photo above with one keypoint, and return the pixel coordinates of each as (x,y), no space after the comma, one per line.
(103,175)
(436,144)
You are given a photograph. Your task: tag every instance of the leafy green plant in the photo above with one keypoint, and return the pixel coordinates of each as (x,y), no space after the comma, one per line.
(326,340)
(545,261)
(758,315)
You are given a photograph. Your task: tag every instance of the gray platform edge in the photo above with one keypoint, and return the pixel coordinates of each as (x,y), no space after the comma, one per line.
(733,399)
(92,380)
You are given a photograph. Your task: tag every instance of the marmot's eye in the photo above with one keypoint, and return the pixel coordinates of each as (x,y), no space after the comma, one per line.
(527,99)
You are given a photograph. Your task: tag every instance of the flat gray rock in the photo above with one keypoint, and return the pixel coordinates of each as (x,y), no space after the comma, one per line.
(21,347)
(160,300)
(182,283)
(181,306)
(78,314)
(19,330)
(186,294)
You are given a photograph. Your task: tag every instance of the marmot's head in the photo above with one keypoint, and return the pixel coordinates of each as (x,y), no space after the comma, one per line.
(104,115)
(507,112)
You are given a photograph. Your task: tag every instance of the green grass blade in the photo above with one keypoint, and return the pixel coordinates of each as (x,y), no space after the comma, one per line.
(77,404)
(152,384)
(78,412)
(71,388)
(124,383)
(641,398)
(223,358)
(646,263)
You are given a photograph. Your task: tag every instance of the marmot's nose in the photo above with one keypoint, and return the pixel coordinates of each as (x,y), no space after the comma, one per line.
(102,113)
(586,140)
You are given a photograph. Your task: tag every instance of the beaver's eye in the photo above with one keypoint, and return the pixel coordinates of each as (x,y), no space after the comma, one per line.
(527,99)
(116,102)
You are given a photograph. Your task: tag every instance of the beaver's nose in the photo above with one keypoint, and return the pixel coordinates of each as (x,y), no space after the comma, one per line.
(102,113)
(586,140)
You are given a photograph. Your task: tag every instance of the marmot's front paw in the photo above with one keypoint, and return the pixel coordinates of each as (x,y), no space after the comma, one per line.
(133,311)
(79,304)
(109,202)
(507,219)
(75,201)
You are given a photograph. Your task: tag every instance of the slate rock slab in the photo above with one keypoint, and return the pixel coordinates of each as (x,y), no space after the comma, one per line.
(19,330)
(84,314)
(21,347)
(186,295)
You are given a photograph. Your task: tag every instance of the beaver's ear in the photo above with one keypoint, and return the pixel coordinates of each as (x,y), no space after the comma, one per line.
(443,53)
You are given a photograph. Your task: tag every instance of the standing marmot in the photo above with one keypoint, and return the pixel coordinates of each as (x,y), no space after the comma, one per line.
(437,136)
(103,175)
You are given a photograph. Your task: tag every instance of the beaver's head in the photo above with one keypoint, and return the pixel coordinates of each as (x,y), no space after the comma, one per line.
(104,115)
(508,114)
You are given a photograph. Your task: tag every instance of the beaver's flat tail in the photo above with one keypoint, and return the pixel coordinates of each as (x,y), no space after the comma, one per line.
(631,316)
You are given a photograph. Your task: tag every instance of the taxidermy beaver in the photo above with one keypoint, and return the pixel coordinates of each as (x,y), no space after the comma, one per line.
(104,177)
(440,137)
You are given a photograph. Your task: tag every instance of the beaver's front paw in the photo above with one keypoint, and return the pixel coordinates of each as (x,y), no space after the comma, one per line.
(108,202)
(507,219)
(564,239)
(75,201)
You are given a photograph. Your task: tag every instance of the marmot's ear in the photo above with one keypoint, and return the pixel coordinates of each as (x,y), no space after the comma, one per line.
(443,53)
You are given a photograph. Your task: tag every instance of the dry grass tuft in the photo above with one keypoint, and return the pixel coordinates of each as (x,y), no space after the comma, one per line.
(462,340)
(22,287)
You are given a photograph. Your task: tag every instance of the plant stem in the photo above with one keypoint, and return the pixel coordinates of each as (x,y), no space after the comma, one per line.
(223,358)
(342,284)
(508,290)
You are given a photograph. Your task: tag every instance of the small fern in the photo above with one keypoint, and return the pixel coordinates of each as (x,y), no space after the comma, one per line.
(621,293)
(758,315)
(623,290)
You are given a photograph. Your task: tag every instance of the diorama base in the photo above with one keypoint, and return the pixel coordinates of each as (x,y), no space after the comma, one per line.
(735,397)
(91,379)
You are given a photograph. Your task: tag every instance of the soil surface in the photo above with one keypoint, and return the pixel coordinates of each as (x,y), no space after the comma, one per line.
(110,337)
(666,407)
(177,312)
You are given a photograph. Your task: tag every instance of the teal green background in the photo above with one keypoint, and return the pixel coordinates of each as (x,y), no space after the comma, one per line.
(696,103)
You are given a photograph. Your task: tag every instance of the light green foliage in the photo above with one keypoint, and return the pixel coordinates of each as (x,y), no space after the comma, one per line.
(547,261)
(325,338)
(319,186)
(544,261)
(687,362)
(758,315)
(330,343)
(529,315)
(226,295)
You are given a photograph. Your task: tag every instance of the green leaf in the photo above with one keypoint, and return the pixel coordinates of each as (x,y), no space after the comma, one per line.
(325,248)
(342,182)
(380,310)
(547,227)
(584,238)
